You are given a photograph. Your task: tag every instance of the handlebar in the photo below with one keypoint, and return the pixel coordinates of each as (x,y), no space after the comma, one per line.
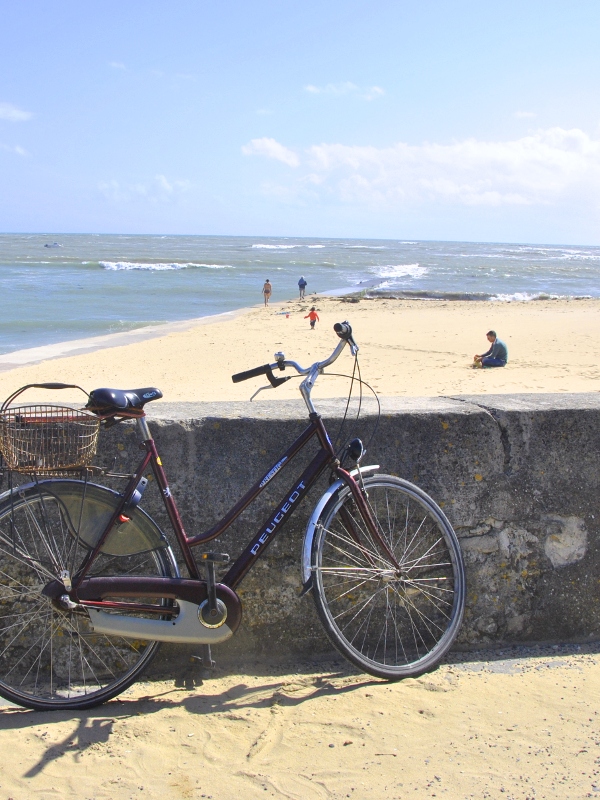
(250,373)
(343,330)
(253,373)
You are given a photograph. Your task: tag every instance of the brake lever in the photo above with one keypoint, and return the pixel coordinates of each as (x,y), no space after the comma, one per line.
(275,382)
(262,388)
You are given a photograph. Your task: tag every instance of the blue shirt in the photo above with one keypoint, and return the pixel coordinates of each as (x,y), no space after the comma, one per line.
(498,350)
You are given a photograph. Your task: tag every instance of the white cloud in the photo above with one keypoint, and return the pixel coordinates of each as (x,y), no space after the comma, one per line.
(271,149)
(13,114)
(17,149)
(538,169)
(346,87)
(117,65)
(373,93)
(332,88)
(525,114)
(157,190)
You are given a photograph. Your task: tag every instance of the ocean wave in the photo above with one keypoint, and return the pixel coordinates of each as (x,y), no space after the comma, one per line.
(161,267)
(516,297)
(274,246)
(544,254)
(524,297)
(287,246)
(579,257)
(399,271)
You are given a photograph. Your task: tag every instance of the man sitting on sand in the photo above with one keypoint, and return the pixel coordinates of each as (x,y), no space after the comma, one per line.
(496,356)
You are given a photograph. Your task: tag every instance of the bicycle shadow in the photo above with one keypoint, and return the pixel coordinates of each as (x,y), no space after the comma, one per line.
(96,728)
(85,735)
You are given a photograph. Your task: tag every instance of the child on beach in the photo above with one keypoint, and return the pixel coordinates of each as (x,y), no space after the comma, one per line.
(313,316)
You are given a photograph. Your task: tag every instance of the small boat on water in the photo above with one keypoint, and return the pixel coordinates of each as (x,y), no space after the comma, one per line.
(54,244)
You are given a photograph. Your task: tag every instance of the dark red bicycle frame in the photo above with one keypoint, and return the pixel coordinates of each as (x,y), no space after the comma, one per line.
(266,533)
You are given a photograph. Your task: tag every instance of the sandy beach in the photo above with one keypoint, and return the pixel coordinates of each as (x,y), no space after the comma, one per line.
(522,724)
(407,347)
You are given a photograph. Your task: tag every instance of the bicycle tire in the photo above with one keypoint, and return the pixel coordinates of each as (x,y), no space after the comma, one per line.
(50,658)
(391,625)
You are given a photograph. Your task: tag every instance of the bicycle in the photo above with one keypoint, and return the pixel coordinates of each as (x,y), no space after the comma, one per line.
(90,586)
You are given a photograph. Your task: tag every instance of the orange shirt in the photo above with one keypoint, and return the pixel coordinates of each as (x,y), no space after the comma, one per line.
(312,315)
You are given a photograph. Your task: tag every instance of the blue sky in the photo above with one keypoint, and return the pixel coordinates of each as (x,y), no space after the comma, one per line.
(432,120)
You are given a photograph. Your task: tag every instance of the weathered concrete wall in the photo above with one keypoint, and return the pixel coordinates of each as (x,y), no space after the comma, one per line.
(518,476)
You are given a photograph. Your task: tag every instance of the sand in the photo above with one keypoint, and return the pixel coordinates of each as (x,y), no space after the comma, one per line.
(407,347)
(501,728)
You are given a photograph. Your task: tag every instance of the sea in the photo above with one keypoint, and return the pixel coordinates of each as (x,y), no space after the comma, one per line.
(57,288)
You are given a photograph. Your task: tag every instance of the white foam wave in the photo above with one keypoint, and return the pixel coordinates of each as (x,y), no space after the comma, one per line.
(130,265)
(400,271)
(523,297)
(314,246)
(274,246)
(579,257)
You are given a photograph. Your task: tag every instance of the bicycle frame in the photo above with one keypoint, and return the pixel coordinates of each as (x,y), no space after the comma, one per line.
(325,457)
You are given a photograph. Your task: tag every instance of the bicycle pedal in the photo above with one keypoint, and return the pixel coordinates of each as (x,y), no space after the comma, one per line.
(216,558)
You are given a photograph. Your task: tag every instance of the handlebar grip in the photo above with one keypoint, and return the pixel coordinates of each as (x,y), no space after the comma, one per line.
(250,373)
(343,330)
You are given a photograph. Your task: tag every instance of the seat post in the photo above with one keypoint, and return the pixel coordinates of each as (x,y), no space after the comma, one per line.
(143,428)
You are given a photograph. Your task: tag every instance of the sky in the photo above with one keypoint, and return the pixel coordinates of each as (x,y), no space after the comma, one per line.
(442,119)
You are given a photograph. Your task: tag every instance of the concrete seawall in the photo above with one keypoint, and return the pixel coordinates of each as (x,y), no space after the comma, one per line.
(518,476)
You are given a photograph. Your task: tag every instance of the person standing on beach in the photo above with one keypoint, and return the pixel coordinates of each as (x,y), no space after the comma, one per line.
(267,289)
(302,286)
(496,356)
(313,316)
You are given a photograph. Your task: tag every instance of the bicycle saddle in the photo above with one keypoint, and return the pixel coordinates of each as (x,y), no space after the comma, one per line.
(107,400)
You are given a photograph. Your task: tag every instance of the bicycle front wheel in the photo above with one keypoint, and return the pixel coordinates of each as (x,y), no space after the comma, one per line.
(390,623)
(50,658)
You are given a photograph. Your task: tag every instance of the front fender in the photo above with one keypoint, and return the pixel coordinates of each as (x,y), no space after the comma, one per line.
(312,524)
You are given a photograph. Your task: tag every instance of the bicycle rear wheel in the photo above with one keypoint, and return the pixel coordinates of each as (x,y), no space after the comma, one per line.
(50,658)
(390,623)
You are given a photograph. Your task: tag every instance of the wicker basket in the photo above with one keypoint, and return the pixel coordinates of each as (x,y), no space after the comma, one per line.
(46,439)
